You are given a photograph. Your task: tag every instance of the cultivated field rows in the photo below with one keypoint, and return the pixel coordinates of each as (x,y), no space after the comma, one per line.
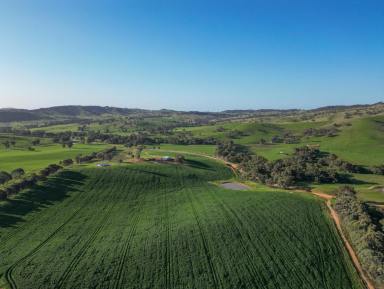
(165,226)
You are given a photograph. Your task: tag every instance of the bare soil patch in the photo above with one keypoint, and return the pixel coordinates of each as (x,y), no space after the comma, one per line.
(234,186)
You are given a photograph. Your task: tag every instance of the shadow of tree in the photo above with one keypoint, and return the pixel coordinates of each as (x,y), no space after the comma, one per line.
(54,189)
(198,165)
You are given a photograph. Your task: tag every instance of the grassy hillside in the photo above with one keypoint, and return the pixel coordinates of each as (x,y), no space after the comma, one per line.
(165,226)
(362,142)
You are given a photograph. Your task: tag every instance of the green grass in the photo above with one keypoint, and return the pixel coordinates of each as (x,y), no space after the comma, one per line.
(361,143)
(367,187)
(165,226)
(253,131)
(43,155)
(199,149)
(21,142)
(58,128)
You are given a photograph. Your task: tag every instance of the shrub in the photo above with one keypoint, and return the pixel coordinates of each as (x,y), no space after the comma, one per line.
(179,159)
(4,177)
(67,162)
(16,173)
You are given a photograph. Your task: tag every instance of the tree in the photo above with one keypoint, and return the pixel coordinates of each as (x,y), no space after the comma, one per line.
(78,159)
(3,195)
(36,142)
(4,177)
(16,173)
(179,159)
(7,144)
(138,151)
(67,162)
(70,144)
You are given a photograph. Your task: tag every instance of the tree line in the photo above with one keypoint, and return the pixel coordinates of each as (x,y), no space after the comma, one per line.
(364,231)
(16,185)
(17,180)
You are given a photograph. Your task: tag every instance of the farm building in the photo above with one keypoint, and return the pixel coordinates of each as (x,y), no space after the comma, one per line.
(167,158)
(103,165)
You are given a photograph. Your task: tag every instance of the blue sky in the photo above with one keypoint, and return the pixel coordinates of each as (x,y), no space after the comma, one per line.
(191,55)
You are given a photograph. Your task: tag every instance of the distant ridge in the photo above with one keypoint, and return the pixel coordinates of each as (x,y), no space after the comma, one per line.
(84,112)
(336,107)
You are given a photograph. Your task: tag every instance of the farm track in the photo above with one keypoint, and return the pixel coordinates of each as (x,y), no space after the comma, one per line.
(234,217)
(168,242)
(125,251)
(271,254)
(78,256)
(8,273)
(212,269)
(127,245)
(105,218)
(336,219)
(22,227)
(261,279)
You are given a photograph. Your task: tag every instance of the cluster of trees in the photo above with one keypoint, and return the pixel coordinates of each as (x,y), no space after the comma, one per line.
(106,154)
(364,231)
(306,165)
(182,139)
(66,138)
(287,138)
(68,144)
(234,134)
(132,139)
(24,182)
(66,162)
(329,132)
(232,152)
(5,176)
(143,138)
(8,143)
(377,170)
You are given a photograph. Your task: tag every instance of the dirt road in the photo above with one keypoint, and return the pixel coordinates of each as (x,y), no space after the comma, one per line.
(348,246)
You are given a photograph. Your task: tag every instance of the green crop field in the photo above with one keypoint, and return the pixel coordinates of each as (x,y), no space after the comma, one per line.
(152,225)
(42,156)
